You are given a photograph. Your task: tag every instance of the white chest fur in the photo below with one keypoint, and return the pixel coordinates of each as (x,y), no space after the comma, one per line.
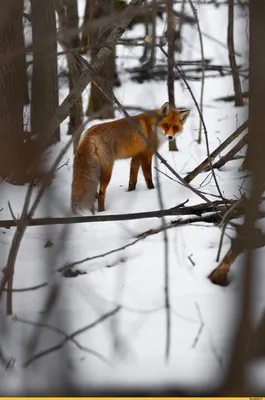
(161,137)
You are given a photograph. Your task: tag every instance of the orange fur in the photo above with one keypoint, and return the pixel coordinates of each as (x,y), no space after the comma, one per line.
(102,144)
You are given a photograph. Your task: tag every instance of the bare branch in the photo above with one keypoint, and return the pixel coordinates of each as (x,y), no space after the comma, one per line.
(195,13)
(71,336)
(203,123)
(239,101)
(230,155)
(29,289)
(60,331)
(200,328)
(216,152)
(177,210)
(166,268)
(212,216)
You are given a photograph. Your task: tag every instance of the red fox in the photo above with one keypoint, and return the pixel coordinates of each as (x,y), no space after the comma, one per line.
(102,144)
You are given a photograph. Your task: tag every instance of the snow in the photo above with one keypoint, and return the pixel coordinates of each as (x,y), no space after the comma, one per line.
(133,341)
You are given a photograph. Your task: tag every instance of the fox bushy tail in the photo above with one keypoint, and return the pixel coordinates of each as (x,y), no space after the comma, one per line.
(86,175)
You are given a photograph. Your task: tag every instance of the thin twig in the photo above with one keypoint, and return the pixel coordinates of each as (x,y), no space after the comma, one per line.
(11,212)
(29,289)
(23,223)
(216,152)
(60,331)
(166,268)
(239,101)
(210,217)
(203,123)
(225,221)
(231,154)
(200,328)
(195,13)
(71,336)
(13,252)
(75,263)
(7,362)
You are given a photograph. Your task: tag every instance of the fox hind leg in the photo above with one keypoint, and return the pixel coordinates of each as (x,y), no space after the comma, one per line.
(135,165)
(146,163)
(104,182)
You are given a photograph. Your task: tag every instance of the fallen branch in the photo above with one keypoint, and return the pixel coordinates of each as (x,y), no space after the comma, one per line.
(69,266)
(230,155)
(215,153)
(232,97)
(212,216)
(198,209)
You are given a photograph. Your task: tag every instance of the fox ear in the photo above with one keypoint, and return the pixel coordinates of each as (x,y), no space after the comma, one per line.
(166,109)
(183,115)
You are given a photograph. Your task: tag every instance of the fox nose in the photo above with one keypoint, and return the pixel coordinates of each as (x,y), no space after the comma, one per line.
(170,137)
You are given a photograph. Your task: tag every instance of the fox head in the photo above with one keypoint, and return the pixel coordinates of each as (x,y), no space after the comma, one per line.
(171,120)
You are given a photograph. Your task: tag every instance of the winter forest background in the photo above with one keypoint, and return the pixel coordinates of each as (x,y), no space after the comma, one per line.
(163,293)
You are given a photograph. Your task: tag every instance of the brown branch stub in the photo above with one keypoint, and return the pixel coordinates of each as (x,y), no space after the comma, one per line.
(219,275)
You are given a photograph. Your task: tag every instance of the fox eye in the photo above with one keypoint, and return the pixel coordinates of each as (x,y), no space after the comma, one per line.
(166,126)
(175,127)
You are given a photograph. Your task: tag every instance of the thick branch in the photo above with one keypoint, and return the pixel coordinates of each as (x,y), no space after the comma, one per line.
(198,209)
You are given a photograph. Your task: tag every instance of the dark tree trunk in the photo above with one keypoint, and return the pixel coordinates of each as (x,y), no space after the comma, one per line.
(178,31)
(72,20)
(44,92)
(13,82)
(170,63)
(98,102)
(237,381)
(239,101)
(84,40)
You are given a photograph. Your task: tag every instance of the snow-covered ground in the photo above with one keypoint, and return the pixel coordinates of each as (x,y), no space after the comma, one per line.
(133,340)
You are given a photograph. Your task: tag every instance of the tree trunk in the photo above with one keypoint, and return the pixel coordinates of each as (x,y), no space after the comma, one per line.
(44,92)
(84,40)
(98,102)
(72,20)
(178,31)
(12,87)
(239,101)
(170,63)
